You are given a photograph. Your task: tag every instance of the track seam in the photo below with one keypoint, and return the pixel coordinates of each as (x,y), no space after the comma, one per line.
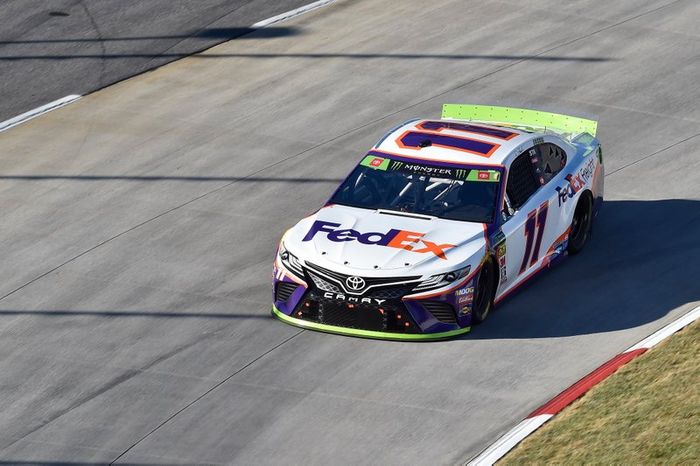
(653,154)
(176,413)
(115,381)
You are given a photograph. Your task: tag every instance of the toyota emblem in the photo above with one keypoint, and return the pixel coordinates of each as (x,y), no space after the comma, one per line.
(355,283)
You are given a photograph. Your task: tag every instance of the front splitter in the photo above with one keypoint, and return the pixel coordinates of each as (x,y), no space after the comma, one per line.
(353,332)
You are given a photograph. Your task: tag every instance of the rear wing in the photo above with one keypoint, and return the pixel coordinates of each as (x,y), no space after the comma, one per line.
(520,116)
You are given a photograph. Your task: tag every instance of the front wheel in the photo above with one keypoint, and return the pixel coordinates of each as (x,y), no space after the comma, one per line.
(581,224)
(484,292)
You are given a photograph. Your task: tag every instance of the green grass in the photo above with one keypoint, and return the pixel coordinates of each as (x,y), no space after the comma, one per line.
(648,412)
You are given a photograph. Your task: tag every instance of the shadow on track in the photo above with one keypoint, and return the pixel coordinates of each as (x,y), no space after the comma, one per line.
(205,34)
(129,314)
(640,264)
(354,56)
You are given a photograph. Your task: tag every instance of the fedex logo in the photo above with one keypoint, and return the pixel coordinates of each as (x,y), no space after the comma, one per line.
(401,239)
(575,183)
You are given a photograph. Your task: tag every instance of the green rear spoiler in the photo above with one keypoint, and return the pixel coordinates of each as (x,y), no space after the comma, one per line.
(520,116)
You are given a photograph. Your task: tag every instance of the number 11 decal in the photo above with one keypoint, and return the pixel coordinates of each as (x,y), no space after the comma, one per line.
(537,218)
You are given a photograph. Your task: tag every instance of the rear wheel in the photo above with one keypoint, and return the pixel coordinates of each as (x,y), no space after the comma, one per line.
(581,224)
(484,292)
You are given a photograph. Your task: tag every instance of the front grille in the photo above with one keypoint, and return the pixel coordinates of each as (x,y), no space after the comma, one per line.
(284,290)
(389,316)
(391,292)
(323,284)
(442,311)
(327,302)
(329,280)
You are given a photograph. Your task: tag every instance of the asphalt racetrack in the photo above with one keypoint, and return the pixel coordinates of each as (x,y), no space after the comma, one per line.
(50,49)
(139,225)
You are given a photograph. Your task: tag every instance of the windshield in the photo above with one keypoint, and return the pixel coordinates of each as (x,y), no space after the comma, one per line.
(465,193)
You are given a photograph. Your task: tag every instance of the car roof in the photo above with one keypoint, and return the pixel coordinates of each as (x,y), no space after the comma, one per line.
(457,141)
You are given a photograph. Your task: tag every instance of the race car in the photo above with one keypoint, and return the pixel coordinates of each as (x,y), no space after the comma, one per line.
(441,220)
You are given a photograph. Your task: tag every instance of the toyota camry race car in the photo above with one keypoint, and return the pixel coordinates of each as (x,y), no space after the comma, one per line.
(439,221)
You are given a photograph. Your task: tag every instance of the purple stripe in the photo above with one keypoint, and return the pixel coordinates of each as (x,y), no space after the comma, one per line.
(418,140)
(438,125)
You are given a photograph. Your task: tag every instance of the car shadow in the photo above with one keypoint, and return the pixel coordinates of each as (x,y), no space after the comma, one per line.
(640,264)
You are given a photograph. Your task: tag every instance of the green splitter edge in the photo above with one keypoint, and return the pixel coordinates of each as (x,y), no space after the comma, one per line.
(353,332)
(520,116)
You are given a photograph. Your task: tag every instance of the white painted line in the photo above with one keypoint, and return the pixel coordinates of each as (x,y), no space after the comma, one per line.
(657,337)
(292,13)
(26,116)
(506,443)
(517,434)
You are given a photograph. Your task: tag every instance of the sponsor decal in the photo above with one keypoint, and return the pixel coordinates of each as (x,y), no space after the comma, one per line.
(466,299)
(400,239)
(465,310)
(427,170)
(501,250)
(377,163)
(575,182)
(484,175)
(499,240)
(381,163)
(502,268)
(352,299)
(498,237)
(465,291)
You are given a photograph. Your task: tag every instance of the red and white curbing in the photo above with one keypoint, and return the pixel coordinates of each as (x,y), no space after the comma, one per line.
(543,414)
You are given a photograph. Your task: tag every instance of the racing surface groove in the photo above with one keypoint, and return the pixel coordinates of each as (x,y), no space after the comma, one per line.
(140,224)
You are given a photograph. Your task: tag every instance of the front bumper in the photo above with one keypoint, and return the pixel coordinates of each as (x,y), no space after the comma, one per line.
(387,313)
(354,332)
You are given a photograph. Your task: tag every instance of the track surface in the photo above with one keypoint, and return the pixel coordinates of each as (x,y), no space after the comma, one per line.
(139,225)
(49,49)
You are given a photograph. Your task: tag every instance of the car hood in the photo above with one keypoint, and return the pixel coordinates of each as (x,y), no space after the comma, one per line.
(371,242)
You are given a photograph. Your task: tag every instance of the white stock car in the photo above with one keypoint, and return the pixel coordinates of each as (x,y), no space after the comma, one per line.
(439,221)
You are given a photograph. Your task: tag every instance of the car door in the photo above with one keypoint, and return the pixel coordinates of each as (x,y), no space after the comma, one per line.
(532,222)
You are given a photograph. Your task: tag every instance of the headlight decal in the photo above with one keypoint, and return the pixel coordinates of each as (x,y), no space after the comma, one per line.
(290,262)
(443,279)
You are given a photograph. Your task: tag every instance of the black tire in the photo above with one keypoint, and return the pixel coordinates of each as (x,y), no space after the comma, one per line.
(581,224)
(484,291)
